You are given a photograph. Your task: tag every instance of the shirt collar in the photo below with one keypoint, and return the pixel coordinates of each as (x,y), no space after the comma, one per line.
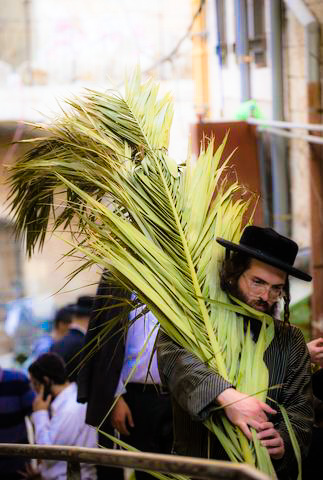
(62,397)
(76,326)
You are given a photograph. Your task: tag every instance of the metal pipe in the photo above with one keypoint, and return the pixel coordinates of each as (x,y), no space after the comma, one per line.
(242,48)
(195,467)
(281,124)
(312,43)
(263,178)
(279,161)
(301,12)
(220,25)
(282,133)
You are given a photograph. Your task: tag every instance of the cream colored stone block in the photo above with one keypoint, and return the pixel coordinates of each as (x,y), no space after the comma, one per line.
(300,191)
(294,31)
(298,116)
(317,9)
(297,92)
(296,61)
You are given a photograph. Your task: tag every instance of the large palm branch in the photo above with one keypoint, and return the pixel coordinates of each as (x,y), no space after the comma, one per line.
(152,224)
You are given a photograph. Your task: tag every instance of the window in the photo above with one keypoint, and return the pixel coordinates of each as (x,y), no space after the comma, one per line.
(255,30)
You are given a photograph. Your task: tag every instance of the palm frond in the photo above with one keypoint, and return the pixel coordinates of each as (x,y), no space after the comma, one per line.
(151,223)
(100,130)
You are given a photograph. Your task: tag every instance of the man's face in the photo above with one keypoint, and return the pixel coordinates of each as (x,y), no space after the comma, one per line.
(62,330)
(261,286)
(36,385)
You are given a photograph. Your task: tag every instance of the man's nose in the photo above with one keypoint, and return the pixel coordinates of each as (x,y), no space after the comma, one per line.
(265,295)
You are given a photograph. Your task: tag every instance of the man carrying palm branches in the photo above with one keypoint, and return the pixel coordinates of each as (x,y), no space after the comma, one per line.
(152,224)
(256,273)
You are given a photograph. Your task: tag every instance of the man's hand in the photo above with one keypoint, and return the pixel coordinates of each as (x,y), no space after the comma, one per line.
(271,439)
(244,410)
(30,473)
(39,403)
(315,347)
(121,416)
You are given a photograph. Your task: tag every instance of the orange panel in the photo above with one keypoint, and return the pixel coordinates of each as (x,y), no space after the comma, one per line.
(244,161)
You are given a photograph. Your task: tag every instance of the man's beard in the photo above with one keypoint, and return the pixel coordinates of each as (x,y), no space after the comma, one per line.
(258,304)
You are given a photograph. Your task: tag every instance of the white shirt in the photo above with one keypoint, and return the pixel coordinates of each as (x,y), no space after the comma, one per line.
(141,337)
(65,427)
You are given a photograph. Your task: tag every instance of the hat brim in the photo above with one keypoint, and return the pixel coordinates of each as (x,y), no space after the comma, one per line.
(77,310)
(259,255)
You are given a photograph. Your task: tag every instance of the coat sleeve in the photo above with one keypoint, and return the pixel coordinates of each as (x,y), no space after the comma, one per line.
(297,398)
(192,383)
(106,307)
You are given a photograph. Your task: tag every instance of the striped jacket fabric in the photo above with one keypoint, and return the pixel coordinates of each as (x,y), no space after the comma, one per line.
(194,388)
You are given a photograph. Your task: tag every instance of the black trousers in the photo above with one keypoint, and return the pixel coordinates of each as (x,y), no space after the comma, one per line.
(313,463)
(104,472)
(152,415)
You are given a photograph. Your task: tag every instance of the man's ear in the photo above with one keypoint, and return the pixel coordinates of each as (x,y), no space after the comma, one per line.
(47,380)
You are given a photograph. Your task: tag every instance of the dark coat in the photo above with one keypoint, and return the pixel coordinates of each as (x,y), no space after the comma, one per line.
(98,377)
(317,379)
(69,348)
(194,387)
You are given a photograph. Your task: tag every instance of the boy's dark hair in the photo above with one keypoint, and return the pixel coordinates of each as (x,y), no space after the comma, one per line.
(49,365)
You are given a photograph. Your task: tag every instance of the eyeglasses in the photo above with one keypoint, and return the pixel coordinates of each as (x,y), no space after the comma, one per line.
(258,287)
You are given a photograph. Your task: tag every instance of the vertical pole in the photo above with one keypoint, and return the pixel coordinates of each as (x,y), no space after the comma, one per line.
(263,179)
(243,48)
(200,62)
(73,471)
(279,161)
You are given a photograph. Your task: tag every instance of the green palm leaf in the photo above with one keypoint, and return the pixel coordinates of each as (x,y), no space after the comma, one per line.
(151,223)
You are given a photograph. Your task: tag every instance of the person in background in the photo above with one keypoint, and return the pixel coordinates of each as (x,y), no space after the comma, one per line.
(315,347)
(16,398)
(57,417)
(62,322)
(69,347)
(312,465)
(142,413)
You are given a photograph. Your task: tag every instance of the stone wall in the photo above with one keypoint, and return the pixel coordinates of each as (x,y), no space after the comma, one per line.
(296,110)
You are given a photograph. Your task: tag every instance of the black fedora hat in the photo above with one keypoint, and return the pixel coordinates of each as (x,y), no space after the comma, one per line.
(83,305)
(268,246)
